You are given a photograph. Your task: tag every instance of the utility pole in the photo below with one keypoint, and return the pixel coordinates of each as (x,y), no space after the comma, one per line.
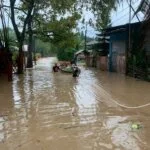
(85,37)
(130,26)
(128,53)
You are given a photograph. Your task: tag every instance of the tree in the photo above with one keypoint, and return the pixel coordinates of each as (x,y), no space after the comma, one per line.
(44,12)
(4,38)
(27,9)
(58,31)
(101,10)
(33,12)
(5,54)
(45,48)
(21,34)
(144,7)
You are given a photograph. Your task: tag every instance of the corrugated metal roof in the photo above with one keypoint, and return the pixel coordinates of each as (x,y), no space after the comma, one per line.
(79,52)
(92,43)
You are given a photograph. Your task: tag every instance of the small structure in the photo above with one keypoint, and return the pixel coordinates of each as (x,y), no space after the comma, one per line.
(125,58)
(81,55)
(98,55)
(117,48)
(102,52)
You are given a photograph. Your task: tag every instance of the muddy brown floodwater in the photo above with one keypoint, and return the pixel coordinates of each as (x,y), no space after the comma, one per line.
(36,111)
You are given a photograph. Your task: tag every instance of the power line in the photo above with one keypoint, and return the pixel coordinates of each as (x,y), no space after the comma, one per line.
(122,10)
(127,7)
(120,18)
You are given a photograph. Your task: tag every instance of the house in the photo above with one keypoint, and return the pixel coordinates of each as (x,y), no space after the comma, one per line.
(122,57)
(86,54)
(117,48)
(98,53)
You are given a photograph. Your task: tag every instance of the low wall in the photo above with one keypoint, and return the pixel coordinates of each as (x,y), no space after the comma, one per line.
(89,60)
(121,64)
(102,63)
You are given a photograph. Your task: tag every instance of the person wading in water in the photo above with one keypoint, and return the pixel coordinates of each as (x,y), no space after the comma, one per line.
(76,71)
(56,68)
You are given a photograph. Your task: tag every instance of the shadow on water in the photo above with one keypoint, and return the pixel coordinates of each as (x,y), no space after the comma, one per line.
(36,111)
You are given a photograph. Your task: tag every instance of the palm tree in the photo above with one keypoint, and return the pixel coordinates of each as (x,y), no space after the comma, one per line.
(144,7)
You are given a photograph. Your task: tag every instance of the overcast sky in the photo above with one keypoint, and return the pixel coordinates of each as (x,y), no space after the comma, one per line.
(118,17)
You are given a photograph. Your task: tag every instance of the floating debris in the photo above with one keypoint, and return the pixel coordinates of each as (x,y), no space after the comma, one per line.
(136,126)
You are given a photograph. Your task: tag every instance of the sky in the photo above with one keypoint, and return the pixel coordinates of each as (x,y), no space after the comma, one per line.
(121,16)
(118,17)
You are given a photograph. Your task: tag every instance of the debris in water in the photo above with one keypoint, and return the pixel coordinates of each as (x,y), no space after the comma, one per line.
(73,111)
(38,141)
(136,126)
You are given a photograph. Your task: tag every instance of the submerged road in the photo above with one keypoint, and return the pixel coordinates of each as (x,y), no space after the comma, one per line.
(110,111)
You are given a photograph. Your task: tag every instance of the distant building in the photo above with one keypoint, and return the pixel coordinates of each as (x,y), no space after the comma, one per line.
(112,51)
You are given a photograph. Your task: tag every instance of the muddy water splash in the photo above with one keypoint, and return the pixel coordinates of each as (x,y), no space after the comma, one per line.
(35,111)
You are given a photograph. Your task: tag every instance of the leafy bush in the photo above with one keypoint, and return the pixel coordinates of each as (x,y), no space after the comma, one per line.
(65,55)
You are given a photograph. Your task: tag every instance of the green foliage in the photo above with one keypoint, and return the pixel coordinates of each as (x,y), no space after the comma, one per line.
(102,10)
(61,36)
(38,55)
(59,30)
(44,48)
(137,62)
(12,41)
(65,54)
(140,59)
(14,56)
(51,24)
(138,53)
(12,38)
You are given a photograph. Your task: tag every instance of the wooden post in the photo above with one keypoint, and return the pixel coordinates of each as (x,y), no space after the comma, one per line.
(9,71)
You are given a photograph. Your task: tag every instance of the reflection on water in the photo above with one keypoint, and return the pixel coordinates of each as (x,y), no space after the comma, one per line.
(35,111)
(1,129)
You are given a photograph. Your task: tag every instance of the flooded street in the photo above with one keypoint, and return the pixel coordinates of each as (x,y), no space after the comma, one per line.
(42,110)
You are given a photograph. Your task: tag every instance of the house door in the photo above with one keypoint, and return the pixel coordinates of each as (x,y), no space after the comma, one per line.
(118,56)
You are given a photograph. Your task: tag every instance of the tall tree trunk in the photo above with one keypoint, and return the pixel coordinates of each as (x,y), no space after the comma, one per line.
(20,61)
(30,46)
(20,35)
(9,65)
(20,58)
